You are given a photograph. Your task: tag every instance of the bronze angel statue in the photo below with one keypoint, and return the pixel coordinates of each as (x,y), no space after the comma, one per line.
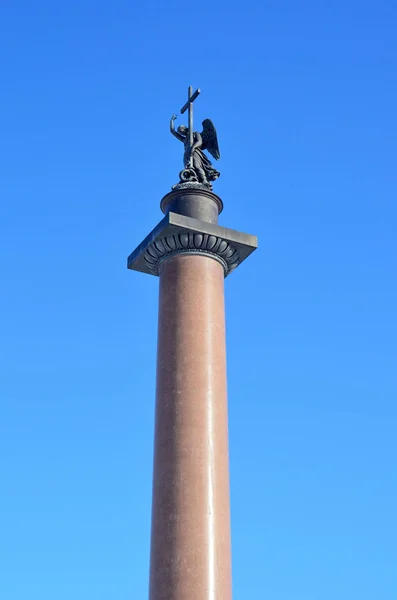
(198,167)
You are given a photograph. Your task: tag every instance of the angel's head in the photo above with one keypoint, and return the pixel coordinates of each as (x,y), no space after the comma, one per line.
(182,129)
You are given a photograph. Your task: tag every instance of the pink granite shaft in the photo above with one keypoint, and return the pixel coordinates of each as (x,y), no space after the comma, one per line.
(190,543)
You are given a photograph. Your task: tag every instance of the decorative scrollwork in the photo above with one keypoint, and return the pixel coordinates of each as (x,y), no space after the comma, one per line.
(192,243)
(188,175)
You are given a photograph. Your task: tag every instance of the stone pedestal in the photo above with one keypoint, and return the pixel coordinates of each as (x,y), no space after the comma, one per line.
(190,543)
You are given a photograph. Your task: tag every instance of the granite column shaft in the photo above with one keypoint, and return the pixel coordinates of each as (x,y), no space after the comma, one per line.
(190,539)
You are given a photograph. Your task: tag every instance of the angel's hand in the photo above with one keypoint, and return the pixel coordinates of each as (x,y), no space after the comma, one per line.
(174,117)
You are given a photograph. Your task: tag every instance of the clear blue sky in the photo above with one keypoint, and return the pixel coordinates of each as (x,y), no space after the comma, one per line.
(304,98)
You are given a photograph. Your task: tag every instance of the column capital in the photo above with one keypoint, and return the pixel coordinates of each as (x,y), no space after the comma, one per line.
(177,234)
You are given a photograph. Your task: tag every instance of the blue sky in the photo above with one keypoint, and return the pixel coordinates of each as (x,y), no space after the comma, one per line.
(304,96)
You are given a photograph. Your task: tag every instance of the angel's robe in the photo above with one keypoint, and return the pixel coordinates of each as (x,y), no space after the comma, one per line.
(200,162)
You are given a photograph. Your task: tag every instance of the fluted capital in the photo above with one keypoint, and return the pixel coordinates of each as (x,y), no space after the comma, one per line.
(177,234)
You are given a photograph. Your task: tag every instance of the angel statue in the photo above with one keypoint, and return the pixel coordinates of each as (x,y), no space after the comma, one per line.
(198,167)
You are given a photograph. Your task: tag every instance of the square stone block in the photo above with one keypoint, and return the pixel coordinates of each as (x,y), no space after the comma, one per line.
(177,234)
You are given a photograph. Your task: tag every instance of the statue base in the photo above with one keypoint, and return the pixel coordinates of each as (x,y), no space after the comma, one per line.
(186,185)
(188,178)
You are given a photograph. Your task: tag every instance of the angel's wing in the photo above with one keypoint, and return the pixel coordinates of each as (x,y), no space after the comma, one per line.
(210,140)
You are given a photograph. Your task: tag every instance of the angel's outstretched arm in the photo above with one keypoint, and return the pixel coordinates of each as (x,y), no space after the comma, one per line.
(172,129)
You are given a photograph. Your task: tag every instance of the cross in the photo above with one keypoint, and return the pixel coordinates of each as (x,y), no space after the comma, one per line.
(189,106)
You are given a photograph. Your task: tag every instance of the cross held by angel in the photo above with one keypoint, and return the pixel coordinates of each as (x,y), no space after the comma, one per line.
(198,167)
